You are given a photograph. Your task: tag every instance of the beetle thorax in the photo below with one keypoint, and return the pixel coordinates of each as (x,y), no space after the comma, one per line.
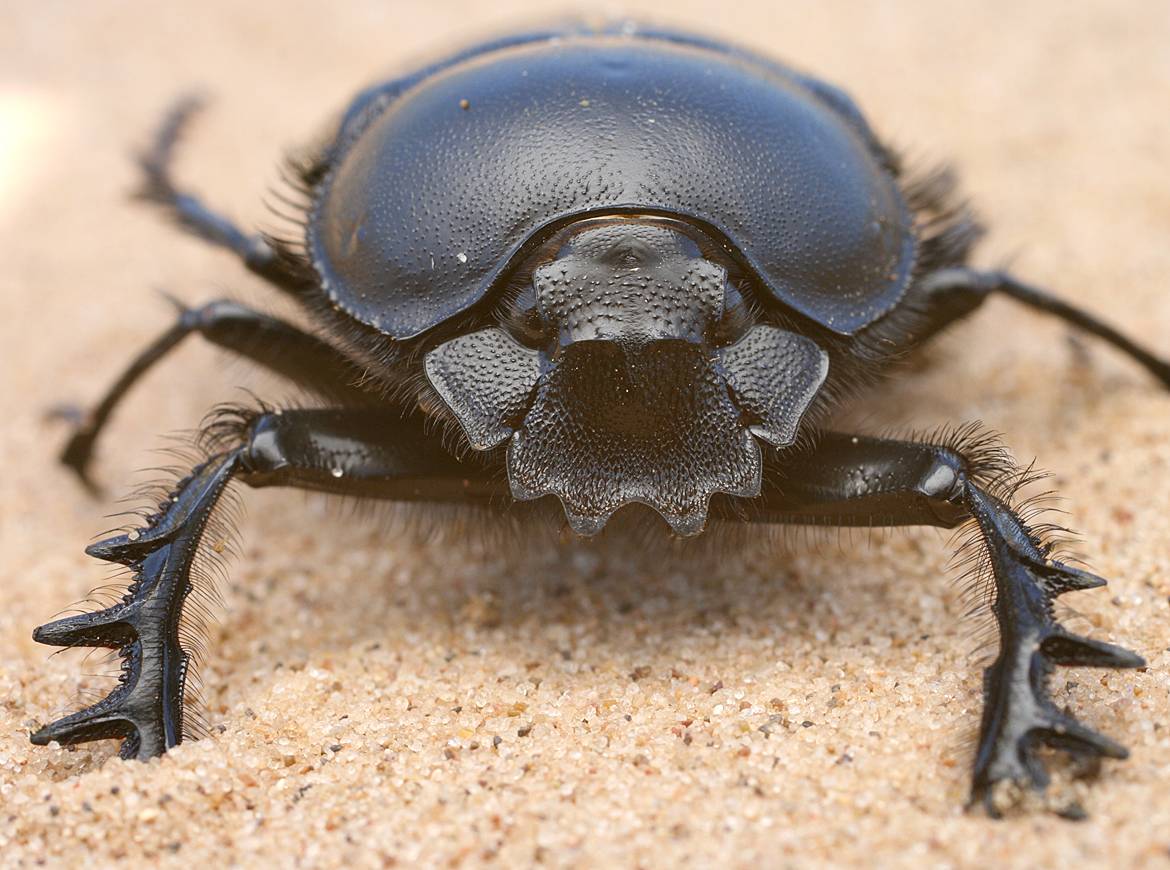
(629,391)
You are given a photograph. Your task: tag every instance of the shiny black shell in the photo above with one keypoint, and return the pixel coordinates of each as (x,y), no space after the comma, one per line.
(436,183)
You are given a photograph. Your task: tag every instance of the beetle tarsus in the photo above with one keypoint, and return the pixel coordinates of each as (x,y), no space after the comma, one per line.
(78,450)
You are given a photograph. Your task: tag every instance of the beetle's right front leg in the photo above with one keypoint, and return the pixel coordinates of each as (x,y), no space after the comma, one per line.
(357,452)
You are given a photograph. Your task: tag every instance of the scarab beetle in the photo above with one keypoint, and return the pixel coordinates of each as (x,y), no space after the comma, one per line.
(627,268)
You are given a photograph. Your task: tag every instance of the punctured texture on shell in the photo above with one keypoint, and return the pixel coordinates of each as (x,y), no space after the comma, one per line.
(486,378)
(610,426)
(775,375)
(589,297)
(435,187)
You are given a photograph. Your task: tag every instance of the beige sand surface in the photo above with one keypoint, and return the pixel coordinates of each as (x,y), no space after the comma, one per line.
(374,701)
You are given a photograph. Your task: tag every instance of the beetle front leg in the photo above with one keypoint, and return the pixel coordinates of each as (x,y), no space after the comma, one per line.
(367,453)
(146,707)
(856,481)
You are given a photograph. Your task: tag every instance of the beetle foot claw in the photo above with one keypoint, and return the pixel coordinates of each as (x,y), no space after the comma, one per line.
(1013,771)
(78,450)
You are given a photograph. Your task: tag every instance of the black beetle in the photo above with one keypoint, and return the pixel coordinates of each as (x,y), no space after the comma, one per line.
(623,266)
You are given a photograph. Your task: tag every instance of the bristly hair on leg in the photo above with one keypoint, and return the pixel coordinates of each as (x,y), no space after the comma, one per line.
(993,468)
(197,596)
(223,428)
(227,424)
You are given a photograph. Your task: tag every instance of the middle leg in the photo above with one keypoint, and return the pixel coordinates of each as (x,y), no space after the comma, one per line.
(305,359)
(951,294)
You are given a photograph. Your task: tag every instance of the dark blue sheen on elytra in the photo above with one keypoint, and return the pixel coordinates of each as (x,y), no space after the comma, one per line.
(427,205)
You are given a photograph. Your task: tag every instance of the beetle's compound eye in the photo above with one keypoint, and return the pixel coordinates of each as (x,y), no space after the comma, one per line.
(521,319)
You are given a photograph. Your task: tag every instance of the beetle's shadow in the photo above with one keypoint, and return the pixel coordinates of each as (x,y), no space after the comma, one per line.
(633,593)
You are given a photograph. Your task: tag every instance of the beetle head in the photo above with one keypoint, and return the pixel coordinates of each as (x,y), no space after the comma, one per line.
(629,393)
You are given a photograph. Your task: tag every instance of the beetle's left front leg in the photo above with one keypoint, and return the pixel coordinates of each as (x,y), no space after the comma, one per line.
(855,481)
(359,452)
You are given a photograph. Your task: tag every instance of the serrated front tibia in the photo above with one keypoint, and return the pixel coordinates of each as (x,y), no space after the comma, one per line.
(146,708)
(1058,578)
(111,628)
(1064,648)
(1019,715)
(135,711)
(141,709)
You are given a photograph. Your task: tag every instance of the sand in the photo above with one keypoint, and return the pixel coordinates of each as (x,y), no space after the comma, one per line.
(374,700)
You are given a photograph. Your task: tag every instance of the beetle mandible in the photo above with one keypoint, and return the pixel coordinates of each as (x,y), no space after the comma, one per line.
(626,266)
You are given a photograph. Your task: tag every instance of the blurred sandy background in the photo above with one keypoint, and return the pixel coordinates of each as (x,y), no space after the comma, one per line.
(374,701)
